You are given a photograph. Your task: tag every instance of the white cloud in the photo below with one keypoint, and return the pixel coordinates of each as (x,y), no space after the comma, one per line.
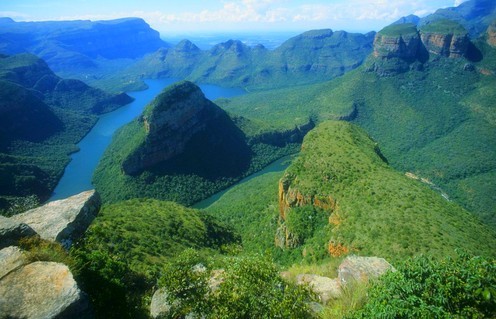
(458,2)
(338,14)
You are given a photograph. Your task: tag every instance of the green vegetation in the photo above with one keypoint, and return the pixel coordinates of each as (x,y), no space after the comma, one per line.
(443,26)
(213,158)
(310,57)
(123,251)
(146,232)
(404,29)
(42,118)
(436,122)
(459,287)
(249,287)
(373,209)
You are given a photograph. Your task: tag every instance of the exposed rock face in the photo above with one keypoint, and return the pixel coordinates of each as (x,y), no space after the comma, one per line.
(290,197)
(362,269)
(10,258)
(326,288)
(491,34)
(178,115)
(397,41)
(63,220)
(159,306)
(42,290)
(446,38)
(353,269)
(11,231)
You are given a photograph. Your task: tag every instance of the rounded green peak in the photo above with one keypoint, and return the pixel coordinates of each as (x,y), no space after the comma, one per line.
(171,95)
(399,29)
(443,26)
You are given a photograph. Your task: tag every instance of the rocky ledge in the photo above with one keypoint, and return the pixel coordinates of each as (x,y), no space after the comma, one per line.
(63,220)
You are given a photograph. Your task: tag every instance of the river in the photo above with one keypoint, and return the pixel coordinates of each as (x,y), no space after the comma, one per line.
(77,175)
(276,166)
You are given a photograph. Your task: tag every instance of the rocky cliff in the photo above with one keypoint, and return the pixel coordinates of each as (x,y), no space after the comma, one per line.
(397,41)
(177,119)
(401,47)
(446,38)
(64,220)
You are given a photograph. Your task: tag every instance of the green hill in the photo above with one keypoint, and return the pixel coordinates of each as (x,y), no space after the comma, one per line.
(126,247)
(182,148)
(369,208)
(434,119)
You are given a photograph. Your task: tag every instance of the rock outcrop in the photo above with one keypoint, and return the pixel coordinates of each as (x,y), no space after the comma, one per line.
(397,41)
(63,220)
(491,34)
(181,115)
(446,38)
(42,290)
(362,269)
(11,258)
(11,231)
(324,287)
(352,270)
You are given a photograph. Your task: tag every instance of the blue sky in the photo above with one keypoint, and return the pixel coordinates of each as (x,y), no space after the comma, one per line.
(229,15)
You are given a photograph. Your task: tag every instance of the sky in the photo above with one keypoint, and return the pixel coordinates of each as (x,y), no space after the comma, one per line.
(230,15)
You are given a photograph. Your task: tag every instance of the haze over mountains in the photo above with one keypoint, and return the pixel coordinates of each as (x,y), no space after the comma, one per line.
(395,134)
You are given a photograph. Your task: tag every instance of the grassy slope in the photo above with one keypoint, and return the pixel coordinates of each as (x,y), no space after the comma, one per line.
(437,123)
(145,233)
(380,211)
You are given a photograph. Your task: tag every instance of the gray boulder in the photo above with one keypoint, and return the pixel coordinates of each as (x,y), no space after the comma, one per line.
(325,288)
(11,258)
(362,269)
(63,220)
(42,290)
(159,306)
(11,231)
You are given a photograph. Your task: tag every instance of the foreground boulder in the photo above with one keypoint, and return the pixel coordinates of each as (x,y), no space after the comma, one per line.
(325,288)
(11,258)
(11,231)
(353,269)
(63,220)
(362,269)
(42,290)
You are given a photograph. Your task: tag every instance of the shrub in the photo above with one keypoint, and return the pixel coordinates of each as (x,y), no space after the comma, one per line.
(462,287)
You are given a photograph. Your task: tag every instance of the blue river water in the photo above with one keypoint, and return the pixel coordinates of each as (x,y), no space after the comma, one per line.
(77,175)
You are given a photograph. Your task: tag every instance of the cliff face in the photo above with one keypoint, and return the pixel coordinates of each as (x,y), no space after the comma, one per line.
(401,47)
(446,38)
(397,41)
(178,117)
(449,45)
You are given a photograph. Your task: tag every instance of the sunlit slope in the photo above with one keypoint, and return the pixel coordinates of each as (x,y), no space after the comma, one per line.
(369,207)
(437,122)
